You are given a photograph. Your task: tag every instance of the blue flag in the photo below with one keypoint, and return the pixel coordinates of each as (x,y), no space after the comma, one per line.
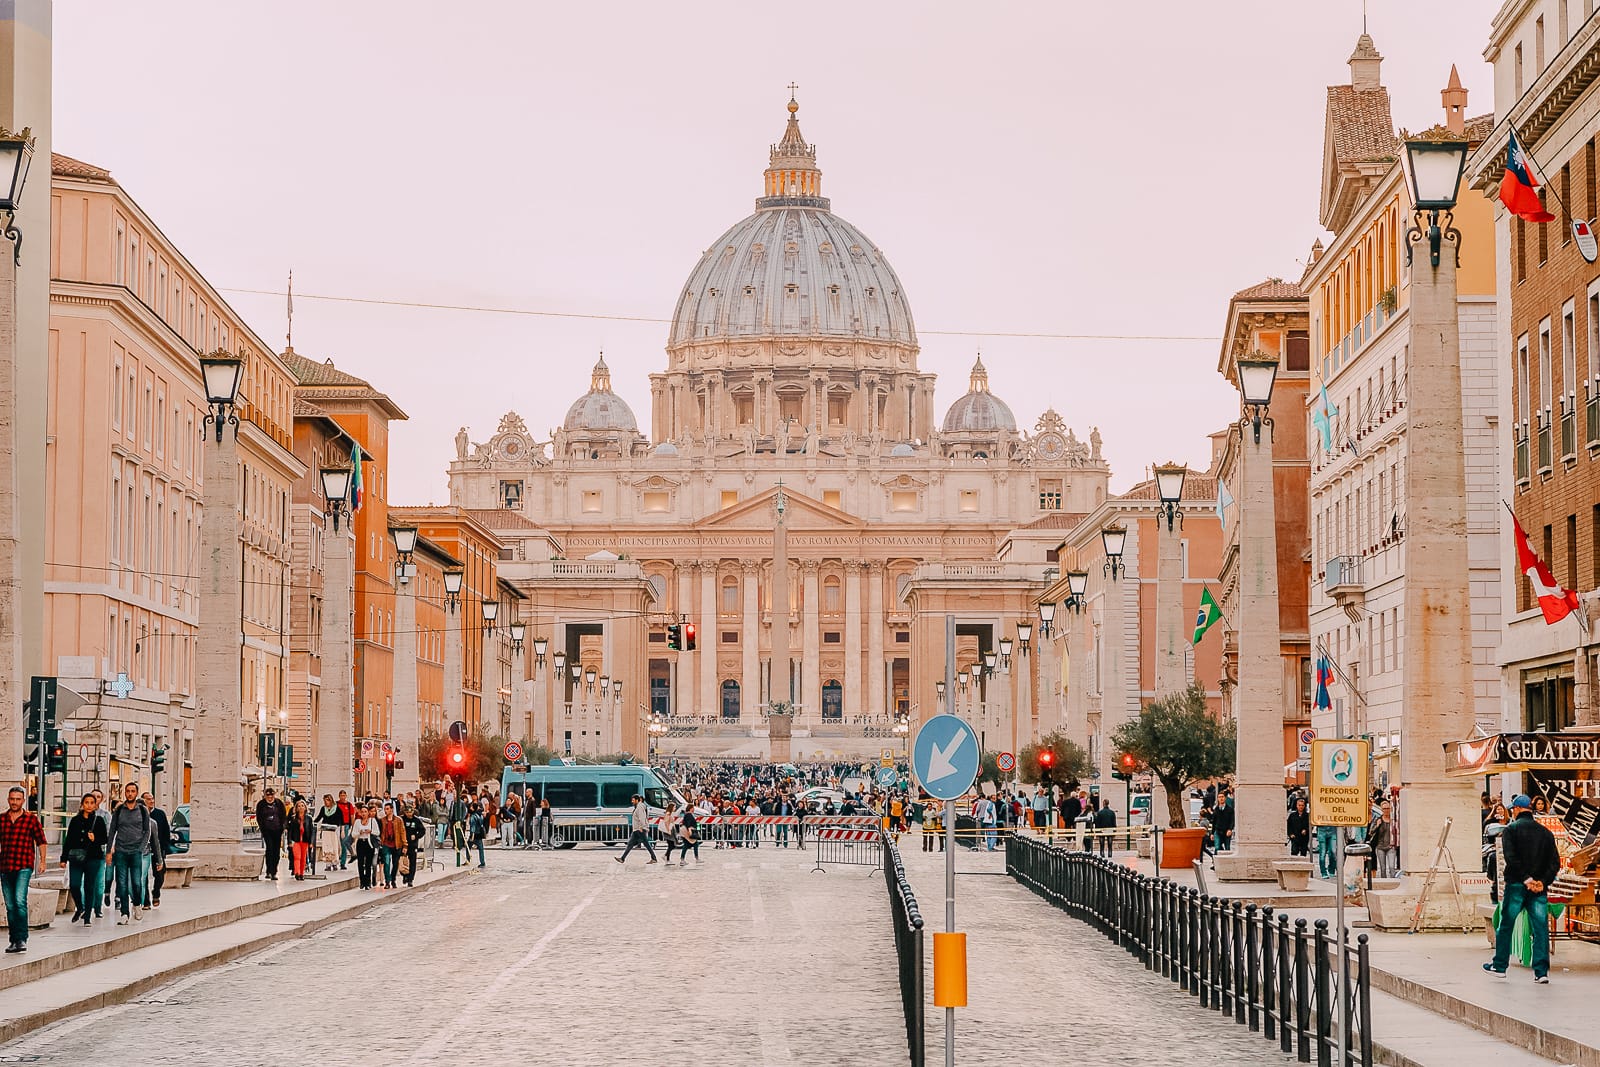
(1322,418)
(1324,676)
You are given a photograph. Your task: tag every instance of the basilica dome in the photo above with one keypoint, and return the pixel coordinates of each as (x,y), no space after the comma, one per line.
(979,411)
(793,268)
(600,408)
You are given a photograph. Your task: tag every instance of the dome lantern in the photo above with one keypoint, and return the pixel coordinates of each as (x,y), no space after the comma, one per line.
(792,178)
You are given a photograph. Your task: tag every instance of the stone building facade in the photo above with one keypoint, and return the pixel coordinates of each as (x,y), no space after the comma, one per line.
(1548,370)
(130,316)
(1359,292)
(792,359)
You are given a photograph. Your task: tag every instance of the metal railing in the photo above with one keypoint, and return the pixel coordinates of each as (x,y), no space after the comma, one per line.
(908,947)
(1278,978)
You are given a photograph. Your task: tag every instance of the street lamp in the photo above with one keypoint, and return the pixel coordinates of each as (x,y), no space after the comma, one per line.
(336,491)
(1077,589)
(16,153)
(605,686)
(616,690)
(452,589)
(989,660)
(539,646)
(1256,377)
(491,612)
(518,629)
(938,690)
(1005,652)
(1436,159)
(961,680)
(221,373)
(1169,487)
(1047,615)
(1024,637)
(589,675)
(1112,540)
(560,660)
(405,543)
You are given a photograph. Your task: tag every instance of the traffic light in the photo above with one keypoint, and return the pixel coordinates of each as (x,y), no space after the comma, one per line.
(674,636)
(1047,760)
(688,637)
(56,757)
(158,757)
(388,763)
(458,759)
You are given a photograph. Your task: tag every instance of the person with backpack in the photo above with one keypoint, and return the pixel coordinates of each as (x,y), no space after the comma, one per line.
(271,816)
(478,827)
(130,842)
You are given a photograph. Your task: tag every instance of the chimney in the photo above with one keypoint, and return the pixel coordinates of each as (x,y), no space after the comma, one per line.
(1455,104)
(1364,64)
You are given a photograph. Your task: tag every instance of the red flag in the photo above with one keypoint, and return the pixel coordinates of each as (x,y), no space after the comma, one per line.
(1517,188)
(1556,603)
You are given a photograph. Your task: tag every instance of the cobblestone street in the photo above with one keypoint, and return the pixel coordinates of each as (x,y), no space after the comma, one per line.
(568,959)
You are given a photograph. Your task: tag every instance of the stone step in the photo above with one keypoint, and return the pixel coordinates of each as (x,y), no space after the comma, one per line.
(1406,1035)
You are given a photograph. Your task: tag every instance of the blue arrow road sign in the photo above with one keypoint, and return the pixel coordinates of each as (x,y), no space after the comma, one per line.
(945,758)
(887,775)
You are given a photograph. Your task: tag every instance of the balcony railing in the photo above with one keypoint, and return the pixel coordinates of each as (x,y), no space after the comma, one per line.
(1593,418)
(1569,433)
(1543,435)
(1343,571)
(1522,458)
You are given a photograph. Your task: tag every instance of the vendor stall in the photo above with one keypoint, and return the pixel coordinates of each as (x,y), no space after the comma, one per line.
(1563,768)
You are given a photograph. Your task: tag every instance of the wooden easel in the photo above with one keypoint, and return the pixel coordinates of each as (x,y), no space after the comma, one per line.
(1441,856)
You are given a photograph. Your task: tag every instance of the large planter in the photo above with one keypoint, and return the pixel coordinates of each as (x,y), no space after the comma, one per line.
(1180,848)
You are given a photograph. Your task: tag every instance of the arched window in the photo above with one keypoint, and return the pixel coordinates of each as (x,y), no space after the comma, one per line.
(730,699)
(832,700)
(730,595)
(830,596)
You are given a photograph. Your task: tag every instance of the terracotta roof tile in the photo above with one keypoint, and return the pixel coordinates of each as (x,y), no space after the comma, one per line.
(77,168)
(503,519)
(305,409)
(1058,520)
(310,372)
(1272,289)
(1479,127)
(1362,125)
(1195,487)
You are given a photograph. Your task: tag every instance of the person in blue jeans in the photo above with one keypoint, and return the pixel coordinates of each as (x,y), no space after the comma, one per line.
(22,845)
(1531,863)
(130,837)
(1327,837)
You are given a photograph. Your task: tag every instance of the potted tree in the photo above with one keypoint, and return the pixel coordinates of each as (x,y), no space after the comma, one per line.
(1181,742)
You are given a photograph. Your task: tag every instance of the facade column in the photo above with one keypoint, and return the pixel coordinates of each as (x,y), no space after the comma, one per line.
(1437,689)
(811,653)
(453,702)
(1258,762)
(521,720)
(852,638)
(750,643)
(216,788)
(1115,706)
(13,689)
(707,656)
(1171,677)
(405,730)
(539,695)
(877,702)
(1022,725)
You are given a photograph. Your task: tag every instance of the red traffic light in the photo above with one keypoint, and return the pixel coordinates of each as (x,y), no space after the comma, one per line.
(388,757)
(1128,762)
(688,636)
(457,757)
(1046,757)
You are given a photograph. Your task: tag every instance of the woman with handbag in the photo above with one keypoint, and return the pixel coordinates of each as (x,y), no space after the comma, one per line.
(392,841)
(84,856)
(300,832)
(364,834)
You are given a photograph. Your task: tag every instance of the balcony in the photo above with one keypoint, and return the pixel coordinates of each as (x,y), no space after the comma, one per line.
(1343,583)
(1592,418)
(1569,434)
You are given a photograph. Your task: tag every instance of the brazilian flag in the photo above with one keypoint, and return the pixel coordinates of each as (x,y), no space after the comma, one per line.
(1208,615)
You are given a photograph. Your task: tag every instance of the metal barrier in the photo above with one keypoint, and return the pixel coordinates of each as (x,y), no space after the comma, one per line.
(908,946)
(1241,960)
(846,843)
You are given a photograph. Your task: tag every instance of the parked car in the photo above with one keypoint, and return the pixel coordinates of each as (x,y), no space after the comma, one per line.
(180,831)
(1139,813)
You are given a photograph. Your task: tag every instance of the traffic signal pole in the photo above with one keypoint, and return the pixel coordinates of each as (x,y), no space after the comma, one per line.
(950,836)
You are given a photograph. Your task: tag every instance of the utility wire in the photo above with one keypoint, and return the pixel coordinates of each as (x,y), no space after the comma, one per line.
(485,309)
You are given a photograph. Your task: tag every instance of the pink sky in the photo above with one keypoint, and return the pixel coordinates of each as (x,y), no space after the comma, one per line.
(1055,169)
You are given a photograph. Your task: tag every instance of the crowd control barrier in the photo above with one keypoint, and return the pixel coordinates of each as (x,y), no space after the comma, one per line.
(1280,980)
(908,948)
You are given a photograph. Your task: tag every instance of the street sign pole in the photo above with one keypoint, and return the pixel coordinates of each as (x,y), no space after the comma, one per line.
(950,834)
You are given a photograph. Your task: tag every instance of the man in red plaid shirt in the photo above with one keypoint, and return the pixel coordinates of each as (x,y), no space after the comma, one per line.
(21,845)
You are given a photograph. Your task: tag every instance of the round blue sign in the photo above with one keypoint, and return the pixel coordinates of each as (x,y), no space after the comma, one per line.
(945,757)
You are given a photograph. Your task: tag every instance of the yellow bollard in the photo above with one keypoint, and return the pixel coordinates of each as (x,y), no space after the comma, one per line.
(949,970)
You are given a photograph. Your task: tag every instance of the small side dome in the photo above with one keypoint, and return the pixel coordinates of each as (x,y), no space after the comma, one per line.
(600,408)
(901,451)
(979,411)
(665,448)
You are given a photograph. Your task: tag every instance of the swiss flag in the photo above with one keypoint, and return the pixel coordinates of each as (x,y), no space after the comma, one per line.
(1518,189)
(1556,603)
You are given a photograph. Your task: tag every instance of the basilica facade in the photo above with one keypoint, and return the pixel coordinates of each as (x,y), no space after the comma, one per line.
(791,386)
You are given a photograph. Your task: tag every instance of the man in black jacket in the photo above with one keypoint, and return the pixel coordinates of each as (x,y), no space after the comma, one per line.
(270,819)
(1531,863)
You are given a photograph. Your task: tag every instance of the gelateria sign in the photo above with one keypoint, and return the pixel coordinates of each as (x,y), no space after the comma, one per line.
(1564,769)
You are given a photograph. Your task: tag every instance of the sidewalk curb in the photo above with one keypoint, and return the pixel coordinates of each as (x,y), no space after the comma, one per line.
(1508,1028)
(12,1029)
(45,966)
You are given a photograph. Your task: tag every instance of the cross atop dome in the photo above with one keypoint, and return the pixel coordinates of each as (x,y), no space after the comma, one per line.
(792,177)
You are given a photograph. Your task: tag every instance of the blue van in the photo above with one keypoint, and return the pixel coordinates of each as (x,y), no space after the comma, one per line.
(590,801)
